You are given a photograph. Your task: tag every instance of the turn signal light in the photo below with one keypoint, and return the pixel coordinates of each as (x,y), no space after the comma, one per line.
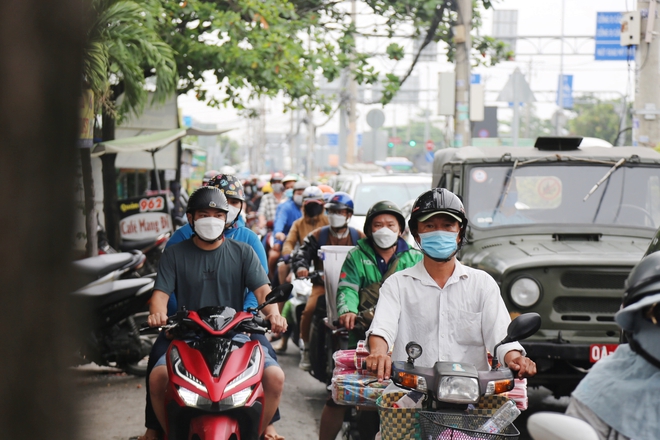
(411,381)
(499,386)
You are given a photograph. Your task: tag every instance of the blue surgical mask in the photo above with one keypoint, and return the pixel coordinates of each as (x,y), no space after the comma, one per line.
(439,244)
(288,193)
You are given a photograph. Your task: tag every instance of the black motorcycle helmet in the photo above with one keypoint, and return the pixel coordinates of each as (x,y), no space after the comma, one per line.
(229,185)
(642,292)
(436,201)
(383,207)
(643,280)
(207,197)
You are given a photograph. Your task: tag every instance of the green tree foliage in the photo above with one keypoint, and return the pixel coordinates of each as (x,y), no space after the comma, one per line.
(432,20)
(596,118)
(266,47)
(123,49)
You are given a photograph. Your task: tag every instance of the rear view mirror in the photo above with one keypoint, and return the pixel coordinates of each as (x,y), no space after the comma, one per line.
(280,294)
(522,327)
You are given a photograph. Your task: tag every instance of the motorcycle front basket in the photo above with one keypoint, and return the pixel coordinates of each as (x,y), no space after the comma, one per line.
(452,426)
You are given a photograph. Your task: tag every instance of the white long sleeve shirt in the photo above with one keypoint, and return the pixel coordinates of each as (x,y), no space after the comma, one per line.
(460,322)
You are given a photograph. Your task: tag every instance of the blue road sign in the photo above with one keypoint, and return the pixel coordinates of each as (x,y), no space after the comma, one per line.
(429,156)
(567,92)
(475,78)
(333,139)
(608,34)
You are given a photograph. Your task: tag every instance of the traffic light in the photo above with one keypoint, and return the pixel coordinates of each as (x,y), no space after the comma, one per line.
(390,145)
(412,143)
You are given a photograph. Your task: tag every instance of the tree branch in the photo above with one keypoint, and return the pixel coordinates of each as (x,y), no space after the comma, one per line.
(430,35)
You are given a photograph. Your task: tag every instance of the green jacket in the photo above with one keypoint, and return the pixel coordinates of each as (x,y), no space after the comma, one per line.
(361,269)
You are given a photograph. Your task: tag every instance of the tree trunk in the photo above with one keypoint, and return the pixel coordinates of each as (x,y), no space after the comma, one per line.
(91,225)
(41,47)
(110,184)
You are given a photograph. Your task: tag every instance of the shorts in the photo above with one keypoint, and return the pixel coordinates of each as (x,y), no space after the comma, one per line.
(242,338)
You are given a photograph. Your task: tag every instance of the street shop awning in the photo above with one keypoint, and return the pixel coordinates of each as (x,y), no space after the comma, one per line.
(147,142)
(150,142)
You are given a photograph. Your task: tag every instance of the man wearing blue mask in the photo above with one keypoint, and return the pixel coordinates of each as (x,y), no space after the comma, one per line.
(455,312)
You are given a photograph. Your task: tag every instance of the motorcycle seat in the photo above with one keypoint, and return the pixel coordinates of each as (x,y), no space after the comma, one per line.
(101,295)
(127,245)
(102,264)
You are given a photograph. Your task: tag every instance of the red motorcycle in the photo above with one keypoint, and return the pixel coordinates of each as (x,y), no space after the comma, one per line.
(215,372)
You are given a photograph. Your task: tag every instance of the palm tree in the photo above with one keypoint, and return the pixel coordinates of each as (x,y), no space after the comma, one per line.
(122,49)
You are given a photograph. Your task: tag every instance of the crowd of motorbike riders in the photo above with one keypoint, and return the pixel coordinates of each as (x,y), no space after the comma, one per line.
(273,231)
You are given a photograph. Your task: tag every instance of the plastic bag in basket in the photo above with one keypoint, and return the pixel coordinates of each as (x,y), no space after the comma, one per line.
(346,360)
(519,394)
(357,389)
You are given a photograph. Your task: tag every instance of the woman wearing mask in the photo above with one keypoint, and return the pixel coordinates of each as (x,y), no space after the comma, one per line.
(376,257)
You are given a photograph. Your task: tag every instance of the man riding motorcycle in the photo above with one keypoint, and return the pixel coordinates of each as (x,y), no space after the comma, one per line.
(210,270)
(455,312)
(236,230)
(619,396)
(375,258)
(339,211)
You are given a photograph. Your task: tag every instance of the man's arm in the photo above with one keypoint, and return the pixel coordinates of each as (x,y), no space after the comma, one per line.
(158,309)
(495,321)
(277,322)
(301,260)
(379,361)
(291,239)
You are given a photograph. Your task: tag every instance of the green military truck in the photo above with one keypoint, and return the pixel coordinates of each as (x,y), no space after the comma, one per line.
(559,227)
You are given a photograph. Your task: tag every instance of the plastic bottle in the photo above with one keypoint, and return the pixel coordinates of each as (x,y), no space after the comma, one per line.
(502,418)
(412,399)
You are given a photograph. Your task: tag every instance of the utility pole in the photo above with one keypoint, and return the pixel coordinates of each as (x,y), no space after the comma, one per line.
(311,140)
(560,98)
(462,134)
(646,130)
(427,110)
(351,141)
(343,117)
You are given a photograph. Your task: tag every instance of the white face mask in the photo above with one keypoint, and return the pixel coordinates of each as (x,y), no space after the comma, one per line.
(298,199)
(337,220)
(232,214)
(385,238)
(209,228)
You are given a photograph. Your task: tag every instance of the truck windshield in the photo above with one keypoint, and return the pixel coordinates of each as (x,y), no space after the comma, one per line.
(553,193)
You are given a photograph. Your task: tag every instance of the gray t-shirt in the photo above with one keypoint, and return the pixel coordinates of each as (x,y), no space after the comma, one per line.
(210,278)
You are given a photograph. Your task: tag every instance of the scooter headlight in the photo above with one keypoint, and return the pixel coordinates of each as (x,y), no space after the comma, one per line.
(191,398)
(180,370)
(250,371)
(458,389)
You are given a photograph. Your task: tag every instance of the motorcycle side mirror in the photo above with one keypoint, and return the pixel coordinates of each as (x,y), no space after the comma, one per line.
(279,294)
(520,328)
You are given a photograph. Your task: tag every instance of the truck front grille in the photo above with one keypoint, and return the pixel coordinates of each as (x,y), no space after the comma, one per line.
(597,306)
(582,280)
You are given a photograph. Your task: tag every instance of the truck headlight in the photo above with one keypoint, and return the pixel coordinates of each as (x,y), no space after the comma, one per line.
(458,389)
(525,292)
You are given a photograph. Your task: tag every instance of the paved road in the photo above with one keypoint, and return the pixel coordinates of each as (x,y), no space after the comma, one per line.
(112,404)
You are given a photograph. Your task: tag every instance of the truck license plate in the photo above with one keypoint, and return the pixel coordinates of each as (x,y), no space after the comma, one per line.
(599,351)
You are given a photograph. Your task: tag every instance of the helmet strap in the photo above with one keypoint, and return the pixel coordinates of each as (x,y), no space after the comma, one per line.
(637,348)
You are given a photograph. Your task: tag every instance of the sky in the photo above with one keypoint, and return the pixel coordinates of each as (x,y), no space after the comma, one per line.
(606,79)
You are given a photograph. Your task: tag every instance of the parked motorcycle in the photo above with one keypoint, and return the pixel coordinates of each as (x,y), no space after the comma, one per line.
(109,267)
(117,309)
(152,248)
(214,390)
(451,386)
